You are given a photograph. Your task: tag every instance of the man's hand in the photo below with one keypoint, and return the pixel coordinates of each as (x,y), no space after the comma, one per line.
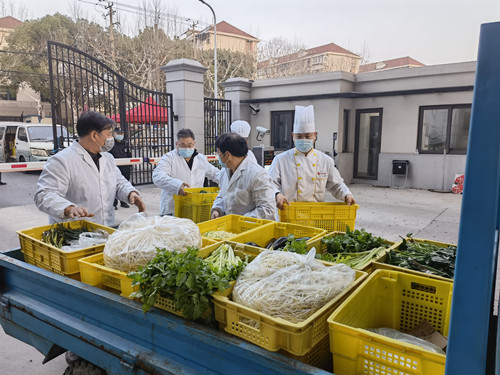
(135,199)
(181,189)
(349,199)
(281,201)
(75,211)
(215,213)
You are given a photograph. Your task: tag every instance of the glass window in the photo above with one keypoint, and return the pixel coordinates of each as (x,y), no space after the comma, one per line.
(345,143)
(459,135)
(281,129)
(444,128)
(21,135)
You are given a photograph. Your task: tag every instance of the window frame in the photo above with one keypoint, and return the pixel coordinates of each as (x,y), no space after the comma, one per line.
(450,108)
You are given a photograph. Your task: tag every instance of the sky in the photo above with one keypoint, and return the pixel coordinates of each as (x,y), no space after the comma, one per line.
(430,31)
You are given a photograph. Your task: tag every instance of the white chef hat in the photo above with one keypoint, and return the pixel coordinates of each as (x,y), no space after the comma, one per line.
(241,128)
(304,119)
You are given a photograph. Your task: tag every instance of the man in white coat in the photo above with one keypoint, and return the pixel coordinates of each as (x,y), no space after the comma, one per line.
(181,168)
(242,128)
(246,188)
(302,174)
(82,180)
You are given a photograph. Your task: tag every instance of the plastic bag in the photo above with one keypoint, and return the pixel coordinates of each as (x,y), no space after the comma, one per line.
(409,339)
(290,286)
(87,239)
(135,242)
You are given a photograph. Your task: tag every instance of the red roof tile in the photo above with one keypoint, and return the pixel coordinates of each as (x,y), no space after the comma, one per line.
(9,22)
(391,64)
(225,27)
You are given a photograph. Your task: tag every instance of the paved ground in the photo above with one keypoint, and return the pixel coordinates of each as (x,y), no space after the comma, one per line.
(386,212)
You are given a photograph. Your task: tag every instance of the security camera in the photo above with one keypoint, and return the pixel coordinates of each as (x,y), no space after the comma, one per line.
(261,132)
(254,110)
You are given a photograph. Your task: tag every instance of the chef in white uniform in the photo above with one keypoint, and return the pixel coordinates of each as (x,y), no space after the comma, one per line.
(181,168)
(243,128)
(246,188)
(302,174)
(82,180)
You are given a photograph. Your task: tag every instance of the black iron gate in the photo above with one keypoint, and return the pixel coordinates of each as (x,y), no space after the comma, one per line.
(80,82)
(217,121)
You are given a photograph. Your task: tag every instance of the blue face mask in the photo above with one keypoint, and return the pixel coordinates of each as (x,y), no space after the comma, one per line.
(119,137)
(304,145)
(223,165)
(186,153)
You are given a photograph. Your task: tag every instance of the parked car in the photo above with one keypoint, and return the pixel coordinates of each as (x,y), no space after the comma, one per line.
(23,142)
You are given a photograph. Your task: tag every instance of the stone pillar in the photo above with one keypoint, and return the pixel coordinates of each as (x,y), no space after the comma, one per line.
(184,80)
(236,90)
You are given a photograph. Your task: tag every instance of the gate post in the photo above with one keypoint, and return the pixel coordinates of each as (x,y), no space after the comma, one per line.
(237,89)
(184,80)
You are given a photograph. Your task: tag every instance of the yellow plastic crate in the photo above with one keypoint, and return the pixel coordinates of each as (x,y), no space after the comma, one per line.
(50,257)
(94,272)
(231,223)
(195,205)
(332,216)
(395,300)
(264,234)
(273,333)
(321,248)
(380,263)
(318,356)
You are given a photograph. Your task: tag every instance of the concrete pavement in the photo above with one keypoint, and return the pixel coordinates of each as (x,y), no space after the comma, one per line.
(385,212)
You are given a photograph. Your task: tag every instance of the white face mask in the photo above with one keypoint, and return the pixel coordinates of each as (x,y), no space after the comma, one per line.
(110,142)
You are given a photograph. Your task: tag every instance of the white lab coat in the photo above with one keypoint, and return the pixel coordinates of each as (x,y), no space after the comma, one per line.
(251,157)
(172,171)
(249,192)
(71,177)
(303,178)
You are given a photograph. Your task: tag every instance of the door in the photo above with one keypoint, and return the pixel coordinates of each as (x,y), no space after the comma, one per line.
(22,146)
(2,143)
(367,143)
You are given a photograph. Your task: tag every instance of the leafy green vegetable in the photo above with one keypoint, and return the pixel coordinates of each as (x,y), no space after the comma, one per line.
(352,242)
(225,263)
(182,277)
(60,235)
(353,260)
(424,257)
(295,245)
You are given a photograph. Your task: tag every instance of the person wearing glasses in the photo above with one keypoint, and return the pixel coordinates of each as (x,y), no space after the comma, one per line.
(181,168)
(82,180)
(245,187)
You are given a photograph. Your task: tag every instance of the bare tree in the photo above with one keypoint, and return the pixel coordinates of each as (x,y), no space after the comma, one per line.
(278,47)
(14,9)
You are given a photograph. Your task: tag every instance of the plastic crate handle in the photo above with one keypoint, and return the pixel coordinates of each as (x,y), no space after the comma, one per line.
(246,321)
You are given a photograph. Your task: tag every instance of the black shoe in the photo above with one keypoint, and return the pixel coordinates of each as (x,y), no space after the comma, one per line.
(116,207)
(124,205)
(3,183)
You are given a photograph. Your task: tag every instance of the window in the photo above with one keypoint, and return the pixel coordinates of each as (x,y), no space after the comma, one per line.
(444,129)
(281,129)
(345,132)
(21,135)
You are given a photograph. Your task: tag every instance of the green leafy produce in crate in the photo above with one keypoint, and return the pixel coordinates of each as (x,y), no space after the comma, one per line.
(424,257)
(60,235)
(186,278)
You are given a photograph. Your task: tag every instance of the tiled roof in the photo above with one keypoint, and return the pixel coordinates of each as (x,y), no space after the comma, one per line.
(225,27)
(391,64)
(9,22)
(330,47)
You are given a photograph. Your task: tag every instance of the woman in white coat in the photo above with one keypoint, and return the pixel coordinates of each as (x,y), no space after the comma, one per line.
(246,188)
(180,168)
(82,180)
(303,173)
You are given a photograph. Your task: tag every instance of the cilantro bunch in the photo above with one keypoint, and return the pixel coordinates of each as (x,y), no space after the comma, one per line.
(182,277)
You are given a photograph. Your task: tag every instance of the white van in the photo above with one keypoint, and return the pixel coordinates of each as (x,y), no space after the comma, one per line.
(23,142)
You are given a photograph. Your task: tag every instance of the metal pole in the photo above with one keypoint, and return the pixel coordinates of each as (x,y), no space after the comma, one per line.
(215,49)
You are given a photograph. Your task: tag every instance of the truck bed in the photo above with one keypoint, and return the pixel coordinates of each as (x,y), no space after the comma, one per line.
(55,313)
